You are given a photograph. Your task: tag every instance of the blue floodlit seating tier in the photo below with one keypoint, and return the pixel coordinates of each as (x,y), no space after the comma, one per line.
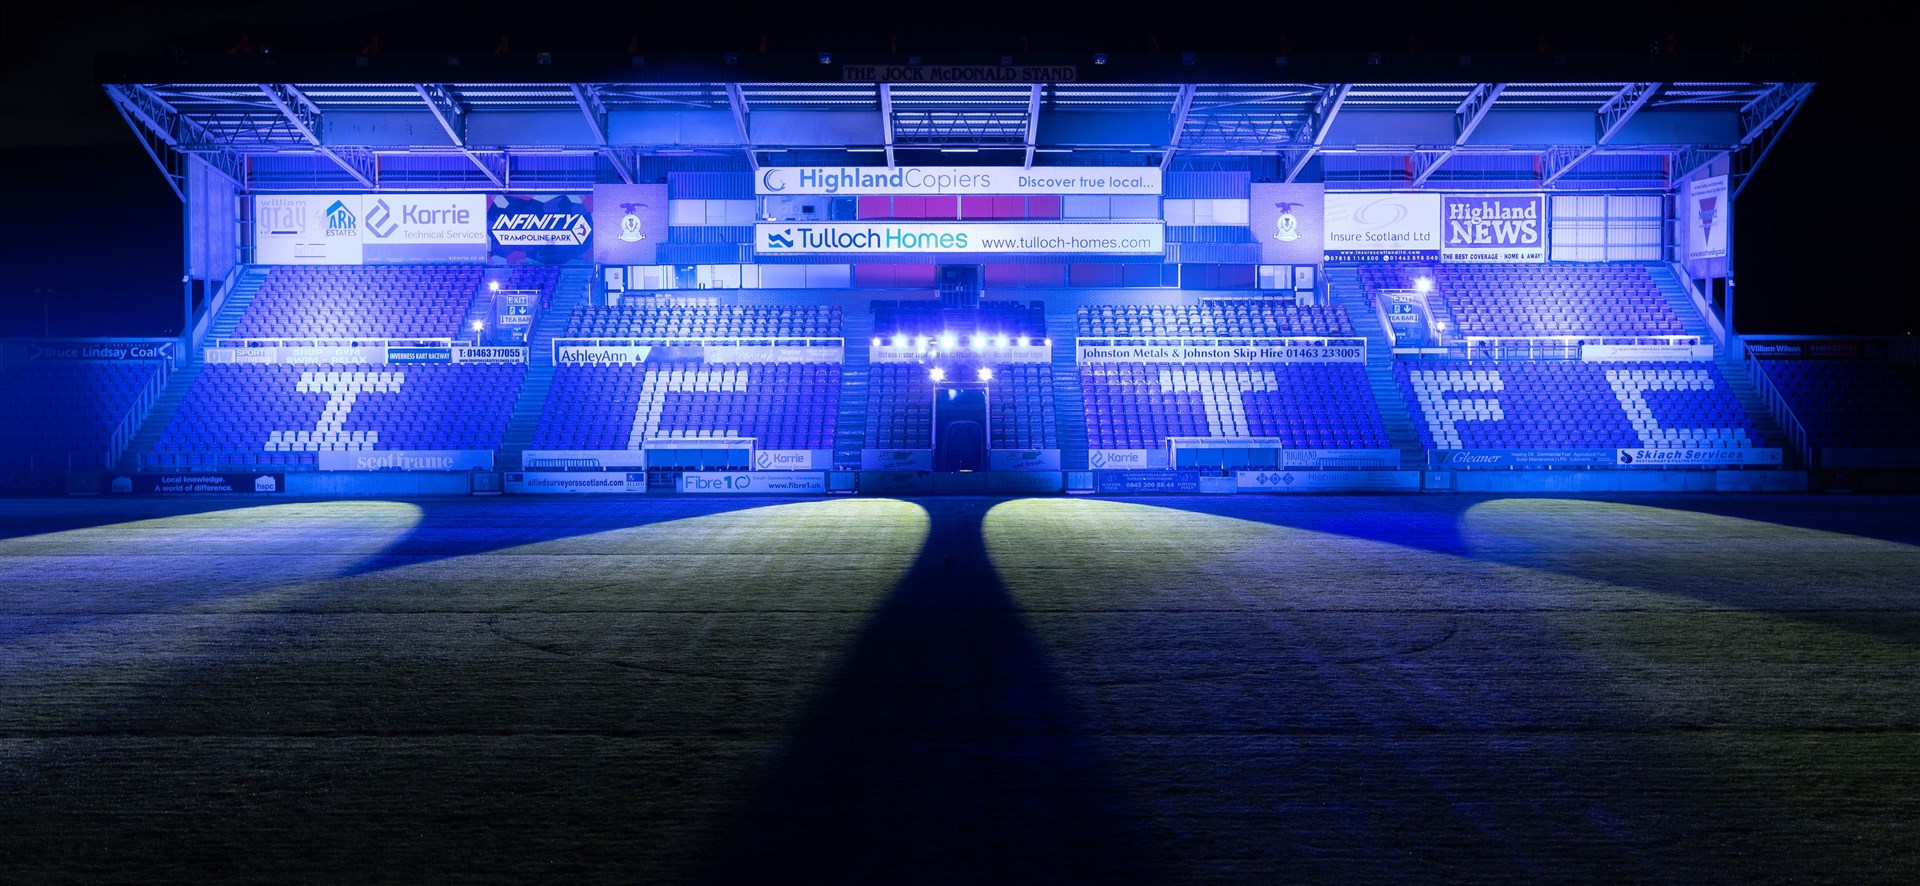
(280,414)
(1020,410)
(1303,405)
(647,318)
(1461,404)
(1214,319)
(1868,404)
(780,405)
(351,301)
(67,412)
(899,407)
(1540,300)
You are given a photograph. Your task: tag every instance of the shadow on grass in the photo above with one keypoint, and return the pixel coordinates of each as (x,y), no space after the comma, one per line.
(944,750)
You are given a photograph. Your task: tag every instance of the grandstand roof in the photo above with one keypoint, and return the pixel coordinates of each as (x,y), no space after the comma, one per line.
(1564,121)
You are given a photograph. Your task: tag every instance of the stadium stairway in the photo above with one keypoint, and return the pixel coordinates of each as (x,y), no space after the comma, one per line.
(221,326)
(1069,406)
(850,426)
(1344,290)
(1732,368)
(244,289)
(569,292)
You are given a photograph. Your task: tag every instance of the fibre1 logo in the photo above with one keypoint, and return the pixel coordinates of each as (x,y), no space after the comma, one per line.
(778,241)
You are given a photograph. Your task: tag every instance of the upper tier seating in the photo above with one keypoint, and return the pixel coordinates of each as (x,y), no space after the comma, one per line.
(932,318)
(780,405)
(1540,300)
(1212,319)
(1304,405)
(352,301)
(1460,404)
(646,318)
(65,413)
(280,414)
(1868,404)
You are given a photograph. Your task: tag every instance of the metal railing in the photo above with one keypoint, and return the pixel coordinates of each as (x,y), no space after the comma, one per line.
(1548,347)
(1781,410)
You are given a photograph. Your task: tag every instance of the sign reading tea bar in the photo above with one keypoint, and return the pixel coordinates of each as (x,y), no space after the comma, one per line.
(883,238)
(922,180)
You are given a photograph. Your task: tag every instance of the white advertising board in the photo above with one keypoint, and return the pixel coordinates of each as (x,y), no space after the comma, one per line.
(959,238)
(922,180)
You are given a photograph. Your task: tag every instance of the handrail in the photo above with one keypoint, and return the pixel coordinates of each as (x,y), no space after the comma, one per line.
(1781,410)
(1700,304)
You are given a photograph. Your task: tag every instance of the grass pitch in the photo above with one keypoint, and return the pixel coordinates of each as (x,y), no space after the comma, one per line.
(1178,689)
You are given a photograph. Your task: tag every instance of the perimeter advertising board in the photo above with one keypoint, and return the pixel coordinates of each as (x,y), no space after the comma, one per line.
(1382,227)
(959,238)
(576,482)
(353,229)
(546,229)
(196,484)
(940,180)
(754,482)
(1494,228)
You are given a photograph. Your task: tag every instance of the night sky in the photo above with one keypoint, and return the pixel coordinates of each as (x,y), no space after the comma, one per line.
(1818,231)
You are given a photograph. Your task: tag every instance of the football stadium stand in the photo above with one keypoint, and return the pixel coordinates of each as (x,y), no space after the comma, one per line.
(349,302)
(74,414)
(1566,404)
(240,415)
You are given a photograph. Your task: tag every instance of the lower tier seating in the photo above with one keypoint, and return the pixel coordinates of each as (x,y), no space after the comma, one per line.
(282,415)
(1459,404)
(780,405)
(1304,405)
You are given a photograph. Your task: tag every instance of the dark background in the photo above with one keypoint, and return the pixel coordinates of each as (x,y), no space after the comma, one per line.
(1817,237)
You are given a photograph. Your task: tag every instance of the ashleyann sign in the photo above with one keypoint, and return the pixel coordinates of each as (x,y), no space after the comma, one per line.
(921,180)
(1493,228)
(960,238)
